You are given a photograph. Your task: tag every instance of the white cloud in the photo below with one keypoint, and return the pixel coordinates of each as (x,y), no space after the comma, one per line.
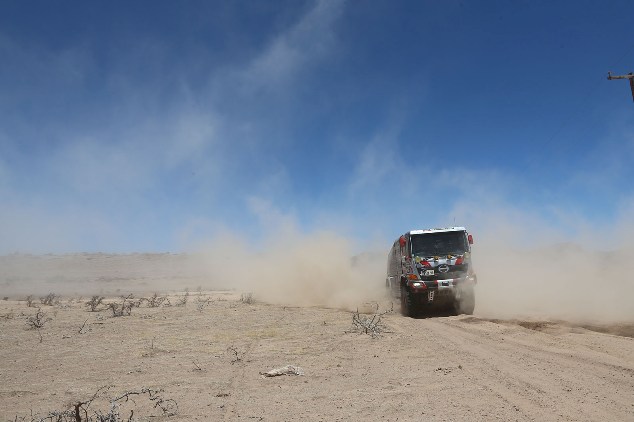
(376,162)
(291,52)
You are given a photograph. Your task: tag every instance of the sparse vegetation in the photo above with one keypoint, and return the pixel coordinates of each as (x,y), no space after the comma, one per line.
(83,411)
(94,303)
(183,299)
(49,300)
(247,298)
(369,324)
(202,302)
(29,301)
(38,321)
(124,308)
(236,355)
(155,300)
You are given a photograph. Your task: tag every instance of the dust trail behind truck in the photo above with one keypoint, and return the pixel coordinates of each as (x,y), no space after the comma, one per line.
(432,269)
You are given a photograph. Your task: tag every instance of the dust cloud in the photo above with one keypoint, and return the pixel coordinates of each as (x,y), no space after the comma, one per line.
(299,269)
(528,268)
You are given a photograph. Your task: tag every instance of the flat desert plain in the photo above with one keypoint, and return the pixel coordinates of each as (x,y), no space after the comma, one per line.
(205,350)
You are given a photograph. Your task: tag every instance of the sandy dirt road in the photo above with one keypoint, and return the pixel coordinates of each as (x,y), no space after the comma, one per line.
(208,355)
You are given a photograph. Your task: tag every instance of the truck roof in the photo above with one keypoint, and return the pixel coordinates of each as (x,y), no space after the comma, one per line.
(446,229)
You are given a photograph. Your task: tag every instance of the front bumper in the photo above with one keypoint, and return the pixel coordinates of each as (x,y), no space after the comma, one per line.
(439,292)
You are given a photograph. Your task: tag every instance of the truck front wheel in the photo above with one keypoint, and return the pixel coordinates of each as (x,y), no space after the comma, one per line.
(408,308)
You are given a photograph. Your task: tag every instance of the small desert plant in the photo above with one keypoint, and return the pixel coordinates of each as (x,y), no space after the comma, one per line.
(236,355)
(155,301)
(369,324)
(49,300)
(94,302)
(247,298)
(202,302)
(38,321)
(183,299)
(29,301)
(124,308)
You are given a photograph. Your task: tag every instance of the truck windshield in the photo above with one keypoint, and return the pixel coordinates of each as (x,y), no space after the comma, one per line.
(442,243)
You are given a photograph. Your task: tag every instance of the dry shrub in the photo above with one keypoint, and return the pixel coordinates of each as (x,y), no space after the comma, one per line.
(247,298)
(183,300)
(369,324)
(155,301)
(38,321)
(202,302)
(113,408)
(125,307)
(94,302)
(49,300)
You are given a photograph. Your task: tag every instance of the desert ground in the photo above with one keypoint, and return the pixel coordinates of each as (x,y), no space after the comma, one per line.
(205,349)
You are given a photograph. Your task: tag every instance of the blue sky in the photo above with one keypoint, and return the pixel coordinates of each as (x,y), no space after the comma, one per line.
(154,126)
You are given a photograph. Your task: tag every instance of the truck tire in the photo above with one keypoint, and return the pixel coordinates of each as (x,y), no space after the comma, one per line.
(408,307)
(465,301)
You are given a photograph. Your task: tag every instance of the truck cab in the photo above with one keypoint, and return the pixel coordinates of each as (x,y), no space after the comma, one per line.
(432,269)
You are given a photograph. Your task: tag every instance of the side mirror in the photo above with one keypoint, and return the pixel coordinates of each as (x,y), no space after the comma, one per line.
(470,239)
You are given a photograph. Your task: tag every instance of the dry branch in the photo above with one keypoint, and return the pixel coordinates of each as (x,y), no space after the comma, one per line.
(82,411)
(369,324)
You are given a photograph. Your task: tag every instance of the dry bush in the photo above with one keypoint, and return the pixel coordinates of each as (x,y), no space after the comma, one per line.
(247,298)
(155,300)
(235,354)
(369,324)
(94,302)
(125,307)
(202,302)
(29,301)
(38,321)
(88,410)
(49,300)
(183,299)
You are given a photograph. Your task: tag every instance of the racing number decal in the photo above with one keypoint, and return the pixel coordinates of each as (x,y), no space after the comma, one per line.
(430,298)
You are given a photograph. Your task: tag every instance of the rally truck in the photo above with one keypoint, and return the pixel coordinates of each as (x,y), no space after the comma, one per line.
(431,270)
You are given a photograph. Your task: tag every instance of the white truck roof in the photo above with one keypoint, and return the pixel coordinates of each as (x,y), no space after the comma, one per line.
(446,229)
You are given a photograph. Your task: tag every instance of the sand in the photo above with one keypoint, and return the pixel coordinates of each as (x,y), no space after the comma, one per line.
(209,354)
